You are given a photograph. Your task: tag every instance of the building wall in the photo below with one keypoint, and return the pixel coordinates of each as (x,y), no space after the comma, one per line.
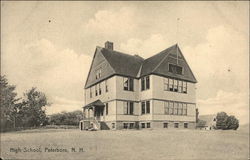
(146,94)
(105,96)
(126,95)
(116,97)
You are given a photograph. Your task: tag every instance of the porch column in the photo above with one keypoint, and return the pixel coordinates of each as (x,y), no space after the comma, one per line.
(83,111)
(93,111)
(88,113)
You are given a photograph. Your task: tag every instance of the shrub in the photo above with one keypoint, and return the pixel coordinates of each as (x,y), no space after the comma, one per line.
(226,122)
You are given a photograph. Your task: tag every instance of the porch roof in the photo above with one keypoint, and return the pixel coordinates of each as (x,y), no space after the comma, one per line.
(97,103)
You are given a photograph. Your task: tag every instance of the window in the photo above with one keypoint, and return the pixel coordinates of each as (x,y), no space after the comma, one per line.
(175,69)
(128,84)
(175,108)
(142,125)
(113,125)
(106,86)
(143,108)
(98,73)
(145,83)
(100,89)
(131,125)
(148,125)
(184,87)
(184,109)
(166,106)
(175,85)
(165,125)
(131,108)
(171,84)
(185,125)
(128,108)
(166,84)
(125,125)
(176,125)
(142,84)
(171,108)
(147,106)
(179,86)
(90,92)
(107,108)
(180,108)
(96,92)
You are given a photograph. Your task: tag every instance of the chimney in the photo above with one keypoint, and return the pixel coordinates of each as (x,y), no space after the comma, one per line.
(109,45)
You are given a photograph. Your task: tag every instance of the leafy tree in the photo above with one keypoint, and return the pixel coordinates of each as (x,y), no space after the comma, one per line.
(9,105)
(226,122)
(232,123)
(221,120)
(32,111)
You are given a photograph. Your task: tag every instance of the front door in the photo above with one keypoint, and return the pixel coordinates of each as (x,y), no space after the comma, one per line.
(99,113)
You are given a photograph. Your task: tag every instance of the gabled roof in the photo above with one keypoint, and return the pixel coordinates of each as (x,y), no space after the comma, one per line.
(136,67)
(150,64)
(208,119)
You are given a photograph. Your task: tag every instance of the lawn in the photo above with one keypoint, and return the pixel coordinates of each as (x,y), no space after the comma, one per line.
(126,144)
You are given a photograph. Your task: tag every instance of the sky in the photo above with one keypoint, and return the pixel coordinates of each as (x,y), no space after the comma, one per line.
(50,45)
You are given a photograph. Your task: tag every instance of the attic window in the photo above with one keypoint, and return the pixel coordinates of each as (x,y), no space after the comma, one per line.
(174,69)
(98,73)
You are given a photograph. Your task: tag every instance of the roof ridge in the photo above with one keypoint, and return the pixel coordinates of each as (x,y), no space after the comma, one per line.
(164,57)
(162,51)
(136,56)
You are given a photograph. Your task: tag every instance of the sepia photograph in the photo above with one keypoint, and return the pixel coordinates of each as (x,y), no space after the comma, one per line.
(124,80)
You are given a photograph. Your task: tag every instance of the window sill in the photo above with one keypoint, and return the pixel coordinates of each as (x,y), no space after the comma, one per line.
(176,91)
(145,114)
(145,89)
(128,90)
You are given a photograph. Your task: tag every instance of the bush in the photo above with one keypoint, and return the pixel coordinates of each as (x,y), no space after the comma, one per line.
(225,122)
(232,123)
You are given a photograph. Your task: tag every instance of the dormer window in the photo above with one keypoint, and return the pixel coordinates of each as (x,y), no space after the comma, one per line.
(175,69)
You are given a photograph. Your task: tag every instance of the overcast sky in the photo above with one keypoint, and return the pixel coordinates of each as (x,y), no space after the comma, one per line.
(50,45)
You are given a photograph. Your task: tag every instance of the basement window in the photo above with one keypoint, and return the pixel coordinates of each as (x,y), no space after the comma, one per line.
(176,125)
(165,125)
(143,125)
(185,125)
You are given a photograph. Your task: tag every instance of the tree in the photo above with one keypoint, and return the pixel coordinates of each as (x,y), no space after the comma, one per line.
(32,111)
(226,122)
(232,123)
(221,120)
(9,105)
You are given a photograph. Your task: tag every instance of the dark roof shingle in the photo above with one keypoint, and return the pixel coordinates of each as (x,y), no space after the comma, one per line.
(123,64)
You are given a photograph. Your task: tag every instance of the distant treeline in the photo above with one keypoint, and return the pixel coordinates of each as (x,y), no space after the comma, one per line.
(66,118)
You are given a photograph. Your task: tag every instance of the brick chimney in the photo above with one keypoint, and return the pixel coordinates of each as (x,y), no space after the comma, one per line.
(109,45)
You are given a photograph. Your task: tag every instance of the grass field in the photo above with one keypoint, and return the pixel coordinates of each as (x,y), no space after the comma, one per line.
(126,145)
